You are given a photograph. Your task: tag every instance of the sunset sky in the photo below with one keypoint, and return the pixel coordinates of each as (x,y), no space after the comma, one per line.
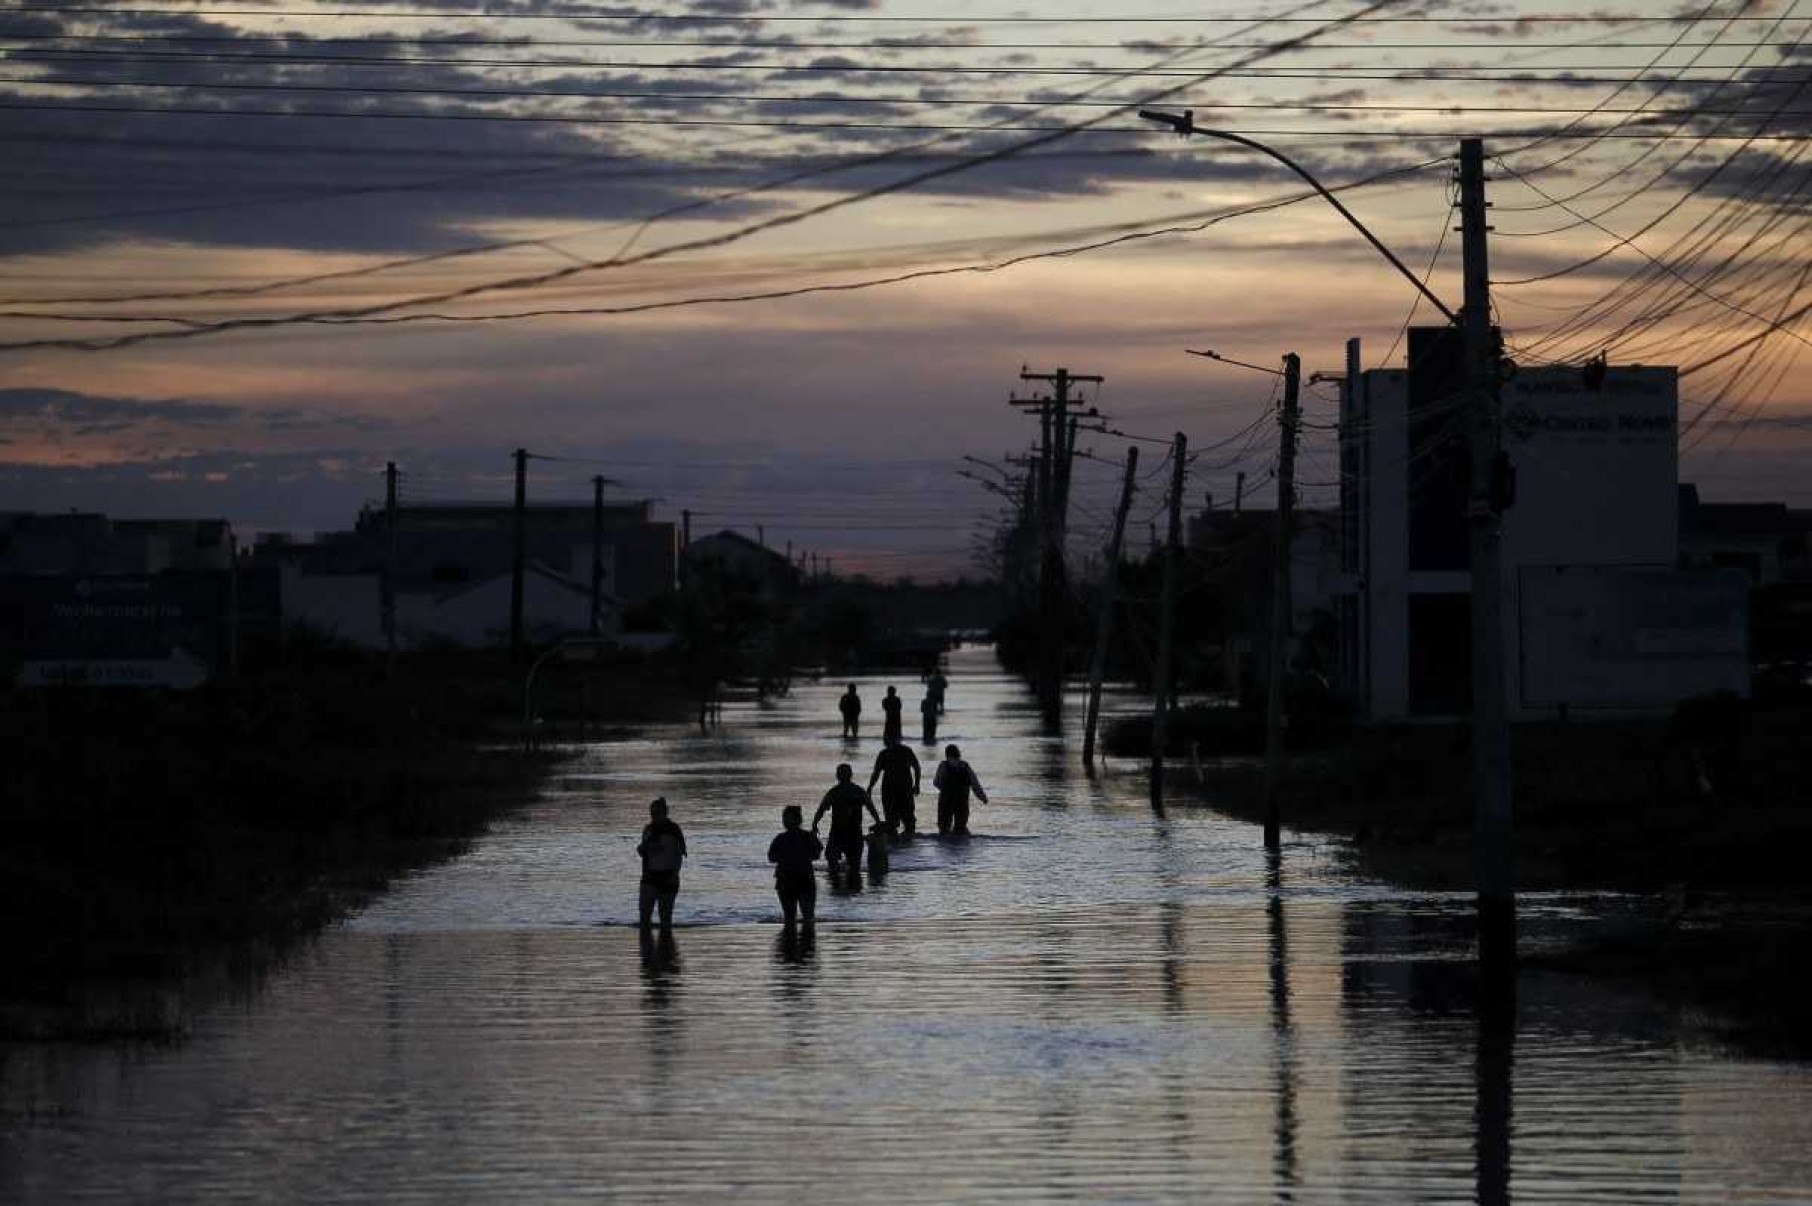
(251,251)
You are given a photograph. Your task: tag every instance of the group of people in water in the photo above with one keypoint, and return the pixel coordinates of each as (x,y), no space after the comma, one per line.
(794,852)
(849,705)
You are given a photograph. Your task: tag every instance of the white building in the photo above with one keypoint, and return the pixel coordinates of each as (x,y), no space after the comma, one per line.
(468,615)
(1598,619)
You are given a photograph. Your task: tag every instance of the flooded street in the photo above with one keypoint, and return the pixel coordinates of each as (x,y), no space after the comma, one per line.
(1081,1002)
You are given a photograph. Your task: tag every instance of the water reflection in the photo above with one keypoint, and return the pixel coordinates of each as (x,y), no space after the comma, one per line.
(1283,1158)
(1496,1051)
(1080,1003)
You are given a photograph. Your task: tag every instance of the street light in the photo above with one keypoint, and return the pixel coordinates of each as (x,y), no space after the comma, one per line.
(1485,505)
(1184,124)
(566,646)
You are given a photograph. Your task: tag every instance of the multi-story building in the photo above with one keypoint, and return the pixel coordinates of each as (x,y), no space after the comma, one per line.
(1598,616)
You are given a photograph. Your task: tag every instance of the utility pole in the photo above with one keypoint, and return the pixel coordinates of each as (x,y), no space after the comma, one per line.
(232,657)
(1239,490)
(390,567)
(518,553)
(597,551)
(1288,424)
(1491,767)
(1167,617)
(1057,435)
(1104,623)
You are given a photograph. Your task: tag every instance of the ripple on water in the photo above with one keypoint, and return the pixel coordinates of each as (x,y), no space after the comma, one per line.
(1083,1003)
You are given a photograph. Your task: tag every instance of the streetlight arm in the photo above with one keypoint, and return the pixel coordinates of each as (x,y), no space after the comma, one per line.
(1184,124)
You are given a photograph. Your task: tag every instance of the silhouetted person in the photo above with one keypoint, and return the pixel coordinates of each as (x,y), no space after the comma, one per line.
(845,803)
(928,710)
(954,780)
(663,849)
(877,850)
(851,707)
(935,683)
(792,853)
(897,767)
(891,707)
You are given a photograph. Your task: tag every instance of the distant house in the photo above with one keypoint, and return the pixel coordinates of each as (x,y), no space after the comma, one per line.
(1767,541)
(441,546)
(1240,548)
(465,615)
(451,560)
(477,615)
(777,577)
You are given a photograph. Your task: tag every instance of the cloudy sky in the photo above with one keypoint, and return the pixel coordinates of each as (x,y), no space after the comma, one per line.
(782,264)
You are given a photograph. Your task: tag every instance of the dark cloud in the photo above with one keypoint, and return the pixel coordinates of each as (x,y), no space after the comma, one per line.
(65,406)
(57,413)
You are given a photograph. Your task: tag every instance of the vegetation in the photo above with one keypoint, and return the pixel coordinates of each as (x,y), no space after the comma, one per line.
(1707,821)
(153,836)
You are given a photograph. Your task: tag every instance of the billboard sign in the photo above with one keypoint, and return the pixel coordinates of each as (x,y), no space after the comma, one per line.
(120,629)
(1629,639)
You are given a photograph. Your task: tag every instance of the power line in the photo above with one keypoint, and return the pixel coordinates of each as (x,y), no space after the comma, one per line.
(889,44)
(916,101)
(623,259)
(656,17)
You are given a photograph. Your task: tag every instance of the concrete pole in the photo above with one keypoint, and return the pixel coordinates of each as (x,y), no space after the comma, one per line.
(1167,614)
(1490,719)
(1288,423)
(597,552)
(1104,623)
(1050,562)
(232,657)
(390,567)
(518,553)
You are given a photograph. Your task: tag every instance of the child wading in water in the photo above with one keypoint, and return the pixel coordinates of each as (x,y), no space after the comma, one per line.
(792,852)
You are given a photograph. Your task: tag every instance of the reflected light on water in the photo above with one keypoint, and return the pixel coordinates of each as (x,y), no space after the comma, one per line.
(1081,1003)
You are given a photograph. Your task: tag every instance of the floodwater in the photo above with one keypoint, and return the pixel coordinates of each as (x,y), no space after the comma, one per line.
(1082,1002)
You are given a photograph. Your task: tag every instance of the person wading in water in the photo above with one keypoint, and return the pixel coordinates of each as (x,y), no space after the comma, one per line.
(792,853)
(954,780)
(850,705)
(845,803)
(663,849)
(891,708)
(897,767)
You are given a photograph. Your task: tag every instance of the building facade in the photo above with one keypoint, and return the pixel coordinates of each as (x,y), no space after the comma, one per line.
(1599,618)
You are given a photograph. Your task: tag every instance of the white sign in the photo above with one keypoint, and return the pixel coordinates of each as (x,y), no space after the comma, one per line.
(180,672)
(1624,638)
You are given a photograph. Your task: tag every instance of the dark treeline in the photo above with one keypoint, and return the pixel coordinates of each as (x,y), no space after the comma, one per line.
(156,836)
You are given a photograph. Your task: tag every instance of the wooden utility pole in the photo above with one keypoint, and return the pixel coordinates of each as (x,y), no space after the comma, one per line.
(1167,619)
(1490,720)
(1057,435)
(1104,623)
(597,553)
(1239,490)
(1288,423)
(518,553)
(389,567)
